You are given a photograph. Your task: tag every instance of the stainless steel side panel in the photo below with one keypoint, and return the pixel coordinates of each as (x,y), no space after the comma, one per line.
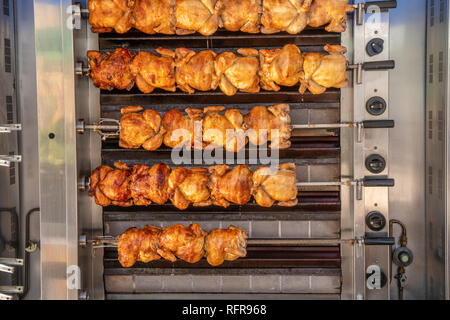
(57,147)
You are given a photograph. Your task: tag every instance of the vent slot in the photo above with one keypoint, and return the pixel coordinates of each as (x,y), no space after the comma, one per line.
(430,125)
(441,66)
(8,55)
(432,7)
(442,11)
(12,172)
(430,68)
(9,110)
(6,7)
(441,125)
(430,180)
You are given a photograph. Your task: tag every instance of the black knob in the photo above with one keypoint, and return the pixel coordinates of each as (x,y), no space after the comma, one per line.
(375,163)
(376,106)
(402,256)
(375,46)
(376,221)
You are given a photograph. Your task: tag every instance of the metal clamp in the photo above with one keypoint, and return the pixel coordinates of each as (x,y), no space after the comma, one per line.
(81,70)
(369,66)
(5,161)
(11,289)
(11,261)
(5,296)
(106,128)
(8,128)
(6,269)
(382,5)
(83,183)
(80,10)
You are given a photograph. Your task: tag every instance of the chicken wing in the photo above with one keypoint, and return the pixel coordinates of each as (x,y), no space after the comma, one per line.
(150,184)
(186,243)
(106,15)
(188,186)
(195,71)
(238,15)
(269,124)
(138,245)
(111,186)
(331,12)
(196,16)
(181,130)
(140,129)
(238,73)
(324,71)
(153,72)
(111,70)
(285,15)
(275,185)
(227,186)
(280,67)
(154,16)
(224,130)
(225,244)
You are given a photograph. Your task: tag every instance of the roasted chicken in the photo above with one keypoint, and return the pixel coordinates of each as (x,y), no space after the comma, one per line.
(143,185)
(238,15)
(233,185)
(140,129)
(149,184)
(223,130)
(111,71)
(200,16)
(111,186)
(153,16)
(153,72)
(324,71)
(195,71)
(238,73)
(285,15)
(108,15)
(275,186)
(186,243)
(331,12)
(269,124)
(180,129)
(225,244)
(188,186)
(280,67)
(138,245)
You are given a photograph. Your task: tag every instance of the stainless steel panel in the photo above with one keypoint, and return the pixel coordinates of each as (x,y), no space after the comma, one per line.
(407,139)
(57,147)
(437,150)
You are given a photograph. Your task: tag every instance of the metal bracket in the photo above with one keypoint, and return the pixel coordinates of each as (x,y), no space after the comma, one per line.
(360,7)
(106,128)
(5,161)
(369,66)
(6,269)
(11,289)
(8,128)
(5,297)
(81,70)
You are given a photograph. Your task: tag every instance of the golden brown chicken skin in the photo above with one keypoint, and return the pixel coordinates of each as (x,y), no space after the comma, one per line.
(200,16)
(180,128)
(140,129)
(230,186)
(153,16)
(111,70)
(280,67)
(331,12)
(195,71)
(108,15)
(111,186)
(224,131)
(273,124)
(225,245)
(138,245)
(285,15)
(238,73)
(188,186)
(185,243)
(324,71)
(238,15)
(276,186)
(153,72)
(149,185)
